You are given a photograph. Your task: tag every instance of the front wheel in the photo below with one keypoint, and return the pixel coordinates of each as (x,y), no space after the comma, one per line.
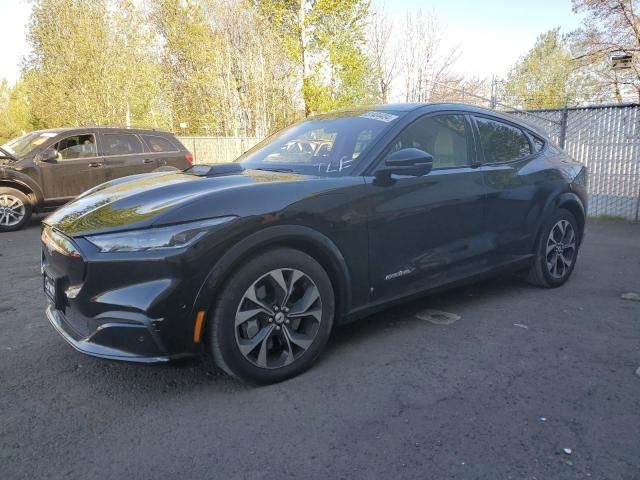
(557,251)
(15,209)
(273,318)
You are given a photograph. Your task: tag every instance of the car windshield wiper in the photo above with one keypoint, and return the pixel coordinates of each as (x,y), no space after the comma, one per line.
(281,170)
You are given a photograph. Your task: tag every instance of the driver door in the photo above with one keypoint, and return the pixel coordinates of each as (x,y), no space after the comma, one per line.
(427,231)
(77,168)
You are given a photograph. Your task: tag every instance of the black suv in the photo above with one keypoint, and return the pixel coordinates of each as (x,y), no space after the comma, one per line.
(42,170)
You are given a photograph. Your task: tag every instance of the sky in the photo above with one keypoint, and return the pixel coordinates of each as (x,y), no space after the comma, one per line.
(492,34)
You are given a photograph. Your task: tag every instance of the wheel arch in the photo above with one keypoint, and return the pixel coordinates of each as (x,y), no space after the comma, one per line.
(305,239)
(569,201)
(33,194)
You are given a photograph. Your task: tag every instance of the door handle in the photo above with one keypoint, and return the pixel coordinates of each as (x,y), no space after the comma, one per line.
(147,160)
(95,165)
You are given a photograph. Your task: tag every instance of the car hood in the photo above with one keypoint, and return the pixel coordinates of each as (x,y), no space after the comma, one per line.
(152,199)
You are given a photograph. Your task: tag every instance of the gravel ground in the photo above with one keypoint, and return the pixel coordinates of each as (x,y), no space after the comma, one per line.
(500,393)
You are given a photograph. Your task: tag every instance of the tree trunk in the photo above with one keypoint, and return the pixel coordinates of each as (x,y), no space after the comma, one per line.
(304,59)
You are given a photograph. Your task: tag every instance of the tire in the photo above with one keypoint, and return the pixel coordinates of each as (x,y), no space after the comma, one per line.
(15,209)
(556,242)
(294,334)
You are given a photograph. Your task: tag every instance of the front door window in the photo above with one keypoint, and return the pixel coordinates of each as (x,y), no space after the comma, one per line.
(77,146)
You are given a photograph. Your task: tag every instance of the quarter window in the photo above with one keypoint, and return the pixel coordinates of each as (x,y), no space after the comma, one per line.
(159,144)
(538,144)
(77,146)
(443,136)
(502,142)
(121,144)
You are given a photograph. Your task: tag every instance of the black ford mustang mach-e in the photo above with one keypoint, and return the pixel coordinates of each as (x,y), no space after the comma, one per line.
(332,218)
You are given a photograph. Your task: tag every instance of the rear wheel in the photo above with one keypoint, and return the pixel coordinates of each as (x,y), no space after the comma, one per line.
(15,209)
(273,317)
(557,251)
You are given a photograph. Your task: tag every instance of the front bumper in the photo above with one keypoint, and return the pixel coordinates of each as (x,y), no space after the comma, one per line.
(131,343)
(131,307)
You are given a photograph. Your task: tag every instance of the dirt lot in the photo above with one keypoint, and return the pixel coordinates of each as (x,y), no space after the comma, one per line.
(393,397)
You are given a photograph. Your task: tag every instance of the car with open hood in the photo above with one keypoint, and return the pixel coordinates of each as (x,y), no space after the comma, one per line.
(41,170)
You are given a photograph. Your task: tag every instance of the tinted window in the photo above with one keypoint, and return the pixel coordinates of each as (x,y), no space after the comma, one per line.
(121,144)
(502,142)
(76,146)
(443,136)
(159,144)
(538,144)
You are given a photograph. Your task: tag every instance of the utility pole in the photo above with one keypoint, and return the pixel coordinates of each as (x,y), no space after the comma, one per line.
(494,93)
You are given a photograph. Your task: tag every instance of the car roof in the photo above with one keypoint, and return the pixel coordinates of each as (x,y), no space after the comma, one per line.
(109,129)
(451,106)
(463,107)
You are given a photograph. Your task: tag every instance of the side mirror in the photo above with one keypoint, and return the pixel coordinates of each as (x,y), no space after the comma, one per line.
(49,155)
(408,161)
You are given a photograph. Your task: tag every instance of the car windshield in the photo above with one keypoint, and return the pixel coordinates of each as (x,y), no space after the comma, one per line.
(21,146)
(327,145)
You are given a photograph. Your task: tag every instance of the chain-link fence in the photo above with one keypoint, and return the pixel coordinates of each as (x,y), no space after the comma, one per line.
(218,149)
(606,139)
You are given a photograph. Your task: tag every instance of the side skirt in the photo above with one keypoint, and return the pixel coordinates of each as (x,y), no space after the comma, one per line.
(371,308)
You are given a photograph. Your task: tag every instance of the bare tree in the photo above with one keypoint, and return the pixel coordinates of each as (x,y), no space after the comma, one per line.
(383,51)
(424,63)
(611,27)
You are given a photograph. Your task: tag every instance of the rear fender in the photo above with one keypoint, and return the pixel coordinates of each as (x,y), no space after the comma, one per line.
(569,201)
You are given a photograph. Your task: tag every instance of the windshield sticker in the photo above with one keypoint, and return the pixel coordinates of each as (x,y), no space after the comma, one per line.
(39,141)
(380,116)
(48,135)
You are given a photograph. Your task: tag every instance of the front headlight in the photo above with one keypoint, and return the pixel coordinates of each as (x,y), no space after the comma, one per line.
(161,238)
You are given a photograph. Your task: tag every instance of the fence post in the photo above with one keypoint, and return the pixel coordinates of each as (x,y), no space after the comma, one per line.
(563,127)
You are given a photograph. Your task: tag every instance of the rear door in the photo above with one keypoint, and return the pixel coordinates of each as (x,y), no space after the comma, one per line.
(77,169)
(515,193)
(427,231)
(165,151)
(125,154)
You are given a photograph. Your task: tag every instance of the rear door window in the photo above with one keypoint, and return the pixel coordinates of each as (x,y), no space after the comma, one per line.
(158,144)
(502,142)
(121,144)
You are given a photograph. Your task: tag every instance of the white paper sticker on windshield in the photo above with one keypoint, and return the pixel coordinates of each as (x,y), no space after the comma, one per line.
(380,116)
(48,134)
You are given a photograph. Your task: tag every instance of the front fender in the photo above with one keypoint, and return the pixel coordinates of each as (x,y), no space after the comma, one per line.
(9,177)
(303,238)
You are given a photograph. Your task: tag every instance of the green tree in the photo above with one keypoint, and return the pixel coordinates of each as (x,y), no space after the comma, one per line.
(325,40)
(15,114)
(91,63)
(227,73)
(547,76)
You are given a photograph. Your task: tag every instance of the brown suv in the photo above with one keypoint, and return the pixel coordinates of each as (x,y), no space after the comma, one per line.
(42,170)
